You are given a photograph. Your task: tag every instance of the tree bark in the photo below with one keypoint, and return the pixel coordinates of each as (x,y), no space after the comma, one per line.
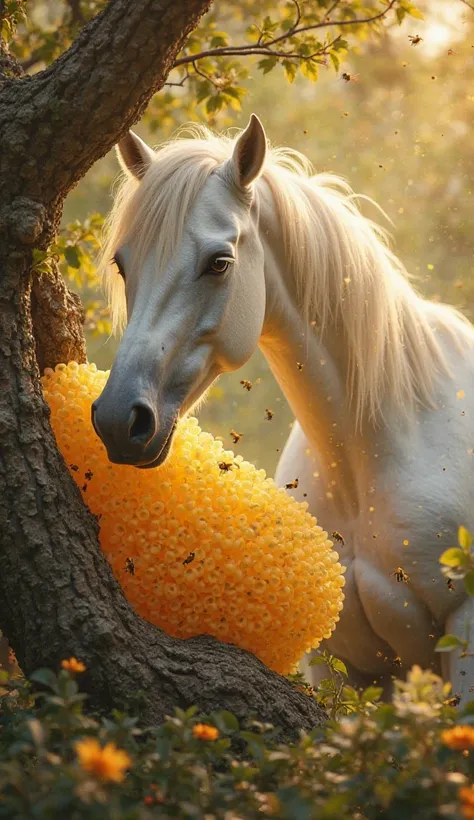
(57,594)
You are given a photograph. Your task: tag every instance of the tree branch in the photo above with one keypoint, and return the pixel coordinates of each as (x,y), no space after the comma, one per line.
(247,49)
(78,114)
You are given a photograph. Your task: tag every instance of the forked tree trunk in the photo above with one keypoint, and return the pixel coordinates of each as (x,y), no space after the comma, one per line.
(57,594)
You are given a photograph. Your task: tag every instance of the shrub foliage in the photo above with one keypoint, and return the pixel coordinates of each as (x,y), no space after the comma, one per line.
(407,758)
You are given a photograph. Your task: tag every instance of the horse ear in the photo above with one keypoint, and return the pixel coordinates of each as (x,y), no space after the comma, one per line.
(134,155)
(249,153)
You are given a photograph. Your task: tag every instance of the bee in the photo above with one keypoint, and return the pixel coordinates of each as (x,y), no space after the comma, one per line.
(450,584)
(451,52)
(246,384)
(236,436)
(292,485)
(130,566)
(189,559)
(454,701)
(299,365)
(84,488)
(414,39)
(400,575)
(269,414)
(88,475)
(226,466)
(397,661)
(74,467)
(349,77)
(338,537)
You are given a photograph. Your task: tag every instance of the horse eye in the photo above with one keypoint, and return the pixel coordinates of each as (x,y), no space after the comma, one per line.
(219,265)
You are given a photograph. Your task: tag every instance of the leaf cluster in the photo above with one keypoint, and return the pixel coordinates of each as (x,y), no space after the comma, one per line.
(386,760)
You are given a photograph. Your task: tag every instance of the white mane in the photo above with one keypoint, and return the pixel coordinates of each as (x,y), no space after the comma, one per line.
(346,275)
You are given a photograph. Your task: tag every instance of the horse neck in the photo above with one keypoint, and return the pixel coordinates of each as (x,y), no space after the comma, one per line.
(312,372)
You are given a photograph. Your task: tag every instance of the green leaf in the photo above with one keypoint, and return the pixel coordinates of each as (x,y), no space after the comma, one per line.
(290,70)
(469,583)
(45,677)
(73,257)
(317,660)
(219,39)
(309,70)
(400,14)
(454,557)
(204,90)
(350,695)
(448,643)
(214,103)
(413,11)
(228,720)
(267,64)
(339,666)
(371,694)
(335,60)
(464,539)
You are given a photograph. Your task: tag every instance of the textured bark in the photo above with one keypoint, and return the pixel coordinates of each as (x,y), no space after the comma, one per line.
(58,319)
(57,594)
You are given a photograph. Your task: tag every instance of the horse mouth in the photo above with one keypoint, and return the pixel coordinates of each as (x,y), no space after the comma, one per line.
(163,452)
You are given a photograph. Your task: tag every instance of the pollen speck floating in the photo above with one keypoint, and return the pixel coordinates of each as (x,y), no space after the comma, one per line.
(263,574)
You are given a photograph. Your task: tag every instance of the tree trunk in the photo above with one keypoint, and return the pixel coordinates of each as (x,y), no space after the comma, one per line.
(57,594)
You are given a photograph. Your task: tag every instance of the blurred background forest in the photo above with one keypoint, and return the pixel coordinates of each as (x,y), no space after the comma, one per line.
(399,128)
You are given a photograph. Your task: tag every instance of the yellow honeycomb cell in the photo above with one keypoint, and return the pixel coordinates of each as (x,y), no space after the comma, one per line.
(196,549)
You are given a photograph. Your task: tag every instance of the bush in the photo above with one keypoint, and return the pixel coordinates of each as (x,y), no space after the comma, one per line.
(407,759)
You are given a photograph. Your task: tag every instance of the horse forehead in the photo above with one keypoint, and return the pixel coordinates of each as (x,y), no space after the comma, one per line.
(216,206)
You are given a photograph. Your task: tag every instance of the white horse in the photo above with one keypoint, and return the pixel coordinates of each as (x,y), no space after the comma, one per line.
(225,244)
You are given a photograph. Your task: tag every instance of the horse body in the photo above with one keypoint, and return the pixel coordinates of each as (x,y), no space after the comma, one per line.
(413,487)
(223,249)
(396,490)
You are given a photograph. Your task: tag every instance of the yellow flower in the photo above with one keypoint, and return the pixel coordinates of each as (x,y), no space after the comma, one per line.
(466,796)
(106,763)
(460,737)
(73,665)
(205,732)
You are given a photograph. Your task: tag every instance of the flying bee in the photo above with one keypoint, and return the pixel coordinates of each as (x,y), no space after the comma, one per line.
(299,365)
(414,39)
(450,584)
(400,575)
(88,475)
(451,52)
(74,467)
(338,537)
(454,701)
(227,466)
(292,485)
(236,436)
(189,559)
(397,661)
(130,566)
(349,77)
(246,384)
(269,414)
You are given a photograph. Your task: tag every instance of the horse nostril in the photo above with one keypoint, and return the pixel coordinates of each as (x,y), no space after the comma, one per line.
(141,424)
